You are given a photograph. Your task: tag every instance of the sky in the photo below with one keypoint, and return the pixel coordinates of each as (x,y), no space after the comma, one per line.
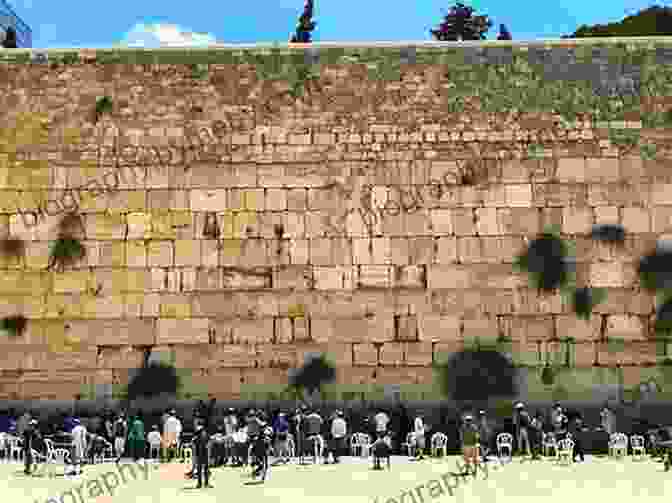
(151,23)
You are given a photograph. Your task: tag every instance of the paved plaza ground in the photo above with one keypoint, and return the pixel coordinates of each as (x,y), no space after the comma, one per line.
(598,480)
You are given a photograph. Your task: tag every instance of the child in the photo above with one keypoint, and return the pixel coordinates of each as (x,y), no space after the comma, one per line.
(381,450)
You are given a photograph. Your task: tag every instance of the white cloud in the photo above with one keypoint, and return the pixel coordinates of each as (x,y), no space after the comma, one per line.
(165,35)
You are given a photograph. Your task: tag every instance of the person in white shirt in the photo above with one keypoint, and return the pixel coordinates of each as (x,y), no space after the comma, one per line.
(240,447)
(79,436)
(230,426)
(339,429)
(172,429)
(419,436)
(382,420)
(154,441)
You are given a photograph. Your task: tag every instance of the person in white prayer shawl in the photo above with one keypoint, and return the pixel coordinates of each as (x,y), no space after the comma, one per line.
(79,436)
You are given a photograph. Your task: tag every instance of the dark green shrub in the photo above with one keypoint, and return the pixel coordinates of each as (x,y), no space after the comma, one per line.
(585,299)
(15,325)
(546,261)
(103,105)
(152,380)
(610,233)
(477,375)
(66,251)
(315,372)
(655,269)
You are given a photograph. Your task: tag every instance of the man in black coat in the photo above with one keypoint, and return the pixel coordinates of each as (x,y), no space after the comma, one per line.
(201,455)
(30,438)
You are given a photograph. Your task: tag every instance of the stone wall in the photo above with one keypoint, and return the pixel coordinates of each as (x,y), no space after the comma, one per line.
(237,218)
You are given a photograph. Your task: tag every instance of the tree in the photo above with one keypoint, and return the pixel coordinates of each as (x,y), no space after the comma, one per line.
(10,39)
(653,21)
(503,33)
(461,24)
(305,25)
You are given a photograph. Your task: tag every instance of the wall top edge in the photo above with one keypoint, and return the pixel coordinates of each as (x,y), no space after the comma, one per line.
(382,44)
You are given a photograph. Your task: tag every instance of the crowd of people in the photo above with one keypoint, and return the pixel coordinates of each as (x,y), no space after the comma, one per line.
(218,437)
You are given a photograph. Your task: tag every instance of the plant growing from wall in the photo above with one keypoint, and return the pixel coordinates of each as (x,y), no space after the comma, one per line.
(12,247)
(547,261)
(585,299)
(547,375)
(199,72)
(103,106)
(154,379)
(655,269)
(608,233)
(316,372)
(14,325)
(66,251)
(477,375)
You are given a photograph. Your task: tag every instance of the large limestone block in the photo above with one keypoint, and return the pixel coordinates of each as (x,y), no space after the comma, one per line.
(123,357)
(626,327)
(214,356)
(114,332)
(182,331)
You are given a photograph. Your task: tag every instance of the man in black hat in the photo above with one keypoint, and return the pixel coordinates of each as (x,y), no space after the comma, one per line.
(201,453)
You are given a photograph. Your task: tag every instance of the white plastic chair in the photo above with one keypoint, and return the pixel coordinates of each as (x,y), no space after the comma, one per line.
(318,447)
(439,442)
(360,444)
(618,445)
(56,457)
(565,451)
(409,445)
(15,449)
(291,445)
(638,449)
(505,441)
(549,442)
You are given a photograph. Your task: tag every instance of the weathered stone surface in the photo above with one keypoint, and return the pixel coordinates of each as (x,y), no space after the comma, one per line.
(263,243)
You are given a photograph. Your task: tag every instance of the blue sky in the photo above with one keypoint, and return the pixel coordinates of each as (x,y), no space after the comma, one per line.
(84,23)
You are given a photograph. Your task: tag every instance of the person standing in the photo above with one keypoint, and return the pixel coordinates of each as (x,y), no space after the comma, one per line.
(608,420)
(469,438)
(537,435)
(485,434)
(172,428)
(79,445)
(522,424)
(201,443)
(281,429)
(381,420)
(576,428)
(313,424)
(136,438)
(109,427)
(120,435)
(299,435)
(154,441)
(339,430)
(30,436)
(419,436)
(230,427)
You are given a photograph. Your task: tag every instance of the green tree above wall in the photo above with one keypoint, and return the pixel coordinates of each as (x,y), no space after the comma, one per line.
(652,21)
(461,24)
